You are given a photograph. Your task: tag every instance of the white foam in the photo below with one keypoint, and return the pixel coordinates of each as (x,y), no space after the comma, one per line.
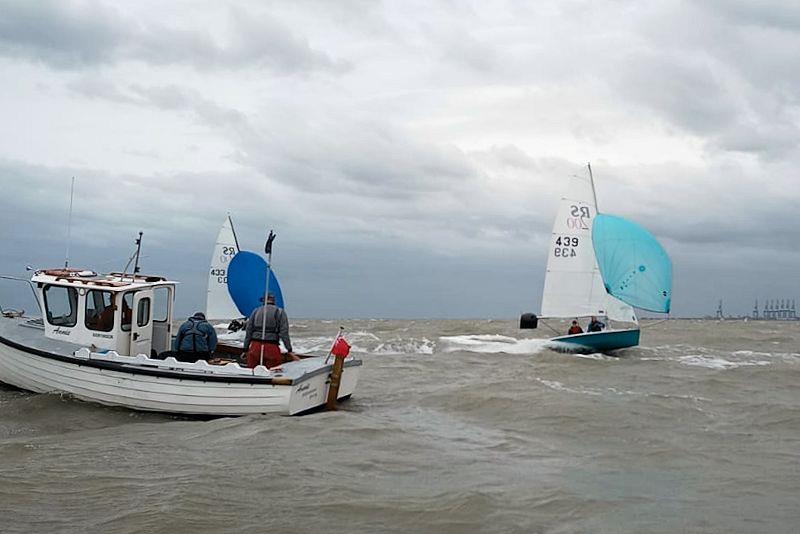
(558,386)
(406,346)
(716,362)
(232,336)
(492,344)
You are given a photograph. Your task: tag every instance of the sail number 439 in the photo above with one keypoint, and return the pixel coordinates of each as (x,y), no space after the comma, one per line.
(565,246)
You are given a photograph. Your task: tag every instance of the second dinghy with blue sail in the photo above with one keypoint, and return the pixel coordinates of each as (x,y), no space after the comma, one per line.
(236,282)
(600,266)
(247,282)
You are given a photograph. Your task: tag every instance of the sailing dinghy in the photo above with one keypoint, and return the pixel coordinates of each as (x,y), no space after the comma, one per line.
(236,282)
(603,266)
(219,306)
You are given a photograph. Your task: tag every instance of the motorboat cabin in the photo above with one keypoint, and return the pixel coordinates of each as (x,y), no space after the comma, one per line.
(129,314)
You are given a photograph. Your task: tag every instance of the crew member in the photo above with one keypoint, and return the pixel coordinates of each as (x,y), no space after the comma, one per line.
(276,328)
(575,328)
(595,325)
(196,339)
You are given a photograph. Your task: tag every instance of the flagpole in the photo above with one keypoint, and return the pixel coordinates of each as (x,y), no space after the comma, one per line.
(336,372)
(268,250)
(330,351)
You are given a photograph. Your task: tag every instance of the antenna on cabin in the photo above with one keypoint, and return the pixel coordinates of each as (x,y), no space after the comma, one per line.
(138,251)
(69,222)
(134,256)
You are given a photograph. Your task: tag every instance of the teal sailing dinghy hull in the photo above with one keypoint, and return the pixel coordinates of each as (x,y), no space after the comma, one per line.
(604,341)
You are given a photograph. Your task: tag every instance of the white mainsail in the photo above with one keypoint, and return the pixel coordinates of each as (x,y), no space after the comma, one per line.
(219,305)
(573,286)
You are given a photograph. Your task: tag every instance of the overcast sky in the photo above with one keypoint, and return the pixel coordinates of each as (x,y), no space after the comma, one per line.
(409,155)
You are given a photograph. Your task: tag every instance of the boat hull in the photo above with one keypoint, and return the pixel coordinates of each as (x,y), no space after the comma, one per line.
(148,390)
(604,341)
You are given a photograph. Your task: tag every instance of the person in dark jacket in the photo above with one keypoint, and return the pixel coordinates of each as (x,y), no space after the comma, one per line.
(276,328)
(575,329)
(595,325)
(196,339)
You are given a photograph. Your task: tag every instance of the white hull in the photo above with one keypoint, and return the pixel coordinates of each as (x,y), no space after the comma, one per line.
(151,392)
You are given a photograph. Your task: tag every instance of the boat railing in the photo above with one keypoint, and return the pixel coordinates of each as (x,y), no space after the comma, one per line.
(200,366)
(5,310)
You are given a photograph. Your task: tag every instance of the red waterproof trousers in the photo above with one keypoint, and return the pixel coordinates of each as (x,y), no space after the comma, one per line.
(272,354)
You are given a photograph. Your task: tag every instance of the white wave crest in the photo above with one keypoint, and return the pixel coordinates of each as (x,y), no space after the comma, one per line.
(406,346)
(492,344)
(716,362)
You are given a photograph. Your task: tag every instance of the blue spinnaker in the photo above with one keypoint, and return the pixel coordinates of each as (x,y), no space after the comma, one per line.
(247,277)
(635,267)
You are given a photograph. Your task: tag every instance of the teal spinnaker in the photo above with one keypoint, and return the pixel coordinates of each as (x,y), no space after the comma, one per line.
(635,267)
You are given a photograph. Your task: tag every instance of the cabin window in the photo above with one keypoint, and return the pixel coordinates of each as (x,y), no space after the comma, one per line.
(143,313)
(127,308)
(161,304)
(61,304)
(99,310)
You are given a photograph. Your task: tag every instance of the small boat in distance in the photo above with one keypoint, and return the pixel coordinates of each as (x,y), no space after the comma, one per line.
(603,266)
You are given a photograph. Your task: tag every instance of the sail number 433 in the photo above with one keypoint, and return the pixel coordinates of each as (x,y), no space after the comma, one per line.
(565,246)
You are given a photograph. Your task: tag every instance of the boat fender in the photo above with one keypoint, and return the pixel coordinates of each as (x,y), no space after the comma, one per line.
(528,321)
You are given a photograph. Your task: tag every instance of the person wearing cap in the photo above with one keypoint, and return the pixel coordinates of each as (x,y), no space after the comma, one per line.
(275,330)
(196,339)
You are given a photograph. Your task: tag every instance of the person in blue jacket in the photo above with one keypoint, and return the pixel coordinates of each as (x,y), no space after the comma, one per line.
(595,325)
(196,339)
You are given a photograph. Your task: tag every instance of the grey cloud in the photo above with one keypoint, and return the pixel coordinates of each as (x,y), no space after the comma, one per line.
(76,35)
(732,84)
(362,157)
(770,13)
(60,34)
(684,90)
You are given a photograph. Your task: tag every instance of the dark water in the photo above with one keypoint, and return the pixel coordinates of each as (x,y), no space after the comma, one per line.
(462,426)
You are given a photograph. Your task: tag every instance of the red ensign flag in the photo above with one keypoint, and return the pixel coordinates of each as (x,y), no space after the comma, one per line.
(340,348)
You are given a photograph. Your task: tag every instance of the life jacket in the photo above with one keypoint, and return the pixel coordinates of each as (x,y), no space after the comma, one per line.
(194,331)
(575,330)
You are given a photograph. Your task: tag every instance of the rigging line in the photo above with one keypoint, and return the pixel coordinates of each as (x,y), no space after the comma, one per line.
(550,327)
(643,326)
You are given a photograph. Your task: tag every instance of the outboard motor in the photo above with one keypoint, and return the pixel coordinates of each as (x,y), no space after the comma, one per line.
(528,321)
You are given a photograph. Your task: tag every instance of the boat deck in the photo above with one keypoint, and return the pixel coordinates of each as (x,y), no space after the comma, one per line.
(30,333)
(26,334)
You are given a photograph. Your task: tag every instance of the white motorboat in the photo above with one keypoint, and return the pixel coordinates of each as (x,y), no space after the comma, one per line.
(106,339)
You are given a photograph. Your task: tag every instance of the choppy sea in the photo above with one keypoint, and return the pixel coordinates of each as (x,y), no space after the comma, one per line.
(456,426)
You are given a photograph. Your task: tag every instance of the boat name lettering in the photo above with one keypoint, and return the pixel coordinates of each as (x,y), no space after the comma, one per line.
(313,394)
(62,332)
(104,336)
(303,388)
